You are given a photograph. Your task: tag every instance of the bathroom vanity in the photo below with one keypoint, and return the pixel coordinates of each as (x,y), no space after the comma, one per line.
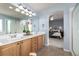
(22,46)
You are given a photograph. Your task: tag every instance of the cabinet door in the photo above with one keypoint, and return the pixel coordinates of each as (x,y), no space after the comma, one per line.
(40,42)
(10,50)
(34,44)
(25,47)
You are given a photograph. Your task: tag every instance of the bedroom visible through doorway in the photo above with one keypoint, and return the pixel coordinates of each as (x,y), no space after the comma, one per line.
(56,29)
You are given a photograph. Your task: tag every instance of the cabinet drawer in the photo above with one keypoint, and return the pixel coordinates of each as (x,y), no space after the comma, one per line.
(34,42)
(34,46)
(40,37)
(34,38)
(34,49)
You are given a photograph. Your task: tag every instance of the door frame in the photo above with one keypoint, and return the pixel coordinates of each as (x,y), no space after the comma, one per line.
(72,29)
(63,24)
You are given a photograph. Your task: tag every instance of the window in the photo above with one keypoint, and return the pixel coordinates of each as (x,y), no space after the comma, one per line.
(8,24)
(0,25)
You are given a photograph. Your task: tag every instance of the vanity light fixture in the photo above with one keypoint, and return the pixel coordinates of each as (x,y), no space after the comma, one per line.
(23,10)
(10,7)
(17,10)
(21,7)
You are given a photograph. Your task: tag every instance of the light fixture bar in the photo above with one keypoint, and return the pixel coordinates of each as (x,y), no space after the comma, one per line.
(23,10)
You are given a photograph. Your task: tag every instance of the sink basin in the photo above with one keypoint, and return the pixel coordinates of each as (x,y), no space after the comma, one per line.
(12,37)
(3,40)
(7,40)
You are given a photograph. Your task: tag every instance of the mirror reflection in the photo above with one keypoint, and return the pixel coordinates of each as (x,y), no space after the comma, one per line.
(15,18)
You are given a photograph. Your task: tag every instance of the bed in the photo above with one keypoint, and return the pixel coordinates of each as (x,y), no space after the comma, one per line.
(55,34)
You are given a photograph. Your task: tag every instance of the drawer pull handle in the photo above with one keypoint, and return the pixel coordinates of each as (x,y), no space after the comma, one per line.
(17,43)
(21,41)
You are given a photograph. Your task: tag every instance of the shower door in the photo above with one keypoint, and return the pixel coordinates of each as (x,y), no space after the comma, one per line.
(76,30)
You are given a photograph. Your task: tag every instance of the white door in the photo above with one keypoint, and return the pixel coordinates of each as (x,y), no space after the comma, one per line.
(76,30)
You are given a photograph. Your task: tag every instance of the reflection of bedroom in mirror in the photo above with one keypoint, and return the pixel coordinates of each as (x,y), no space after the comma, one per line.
(56,29)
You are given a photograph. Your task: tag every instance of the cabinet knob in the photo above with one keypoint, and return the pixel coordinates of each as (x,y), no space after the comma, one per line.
(21,41)
(17,43)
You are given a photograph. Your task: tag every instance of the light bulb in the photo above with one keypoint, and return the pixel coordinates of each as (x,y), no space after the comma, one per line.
(22,12)
(30,15)
(30,12)
(10,7)
(17,10)
(27,13)
(26,10)
(51,18)
(21,7)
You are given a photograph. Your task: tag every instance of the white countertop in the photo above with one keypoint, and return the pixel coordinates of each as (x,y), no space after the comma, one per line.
(12,40)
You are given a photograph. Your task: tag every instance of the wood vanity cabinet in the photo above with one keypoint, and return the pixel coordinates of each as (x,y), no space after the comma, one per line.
(10,49)
(22,48)
(37,43)
(34,44)
(40,41)
(25,47)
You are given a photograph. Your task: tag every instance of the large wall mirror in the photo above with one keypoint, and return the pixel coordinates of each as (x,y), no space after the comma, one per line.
(11,19)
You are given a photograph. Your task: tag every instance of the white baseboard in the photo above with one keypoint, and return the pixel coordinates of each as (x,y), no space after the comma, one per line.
(67,50)
(72,53)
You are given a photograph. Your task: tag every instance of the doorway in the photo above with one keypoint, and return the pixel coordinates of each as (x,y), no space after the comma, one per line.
(56,29)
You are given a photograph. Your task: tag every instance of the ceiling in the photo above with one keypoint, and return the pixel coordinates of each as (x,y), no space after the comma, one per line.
(39,6)
(36,7)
